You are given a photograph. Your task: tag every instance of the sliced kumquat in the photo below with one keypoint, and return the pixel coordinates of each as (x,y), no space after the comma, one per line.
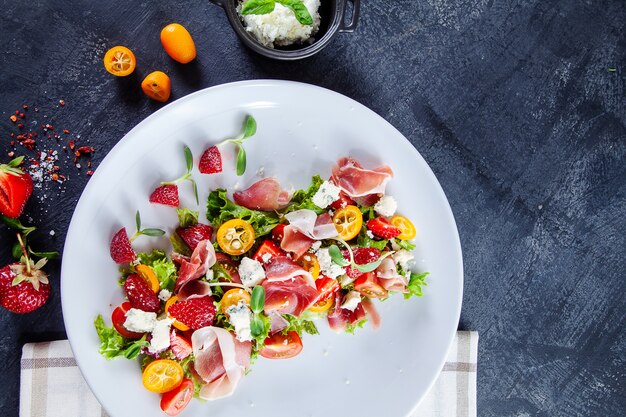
(149,276)
(120,61)
(309,262)
(157,86)
(180,326)
(233,297)
(406,227)
(348,221)
(162,375)
(235,237)
(322,306)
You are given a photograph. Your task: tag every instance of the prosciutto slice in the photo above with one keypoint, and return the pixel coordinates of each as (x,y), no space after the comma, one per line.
(220,360)
(295,241)
(289,297)
(387,274)
(202,258)
(194,289)
(356,181)
(283,269)
(372,313)
(265,195)
(304,228)
(339,318)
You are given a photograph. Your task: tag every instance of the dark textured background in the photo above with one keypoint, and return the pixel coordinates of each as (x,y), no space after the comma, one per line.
(512,104)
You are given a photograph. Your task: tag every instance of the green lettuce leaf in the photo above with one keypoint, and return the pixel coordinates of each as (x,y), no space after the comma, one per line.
(300,325)
(404,244)
(220,209)
(364,241)
(113,345)
(416,281)
(187,217)
(179,245)
(350,328)
(303,199)
(163,268)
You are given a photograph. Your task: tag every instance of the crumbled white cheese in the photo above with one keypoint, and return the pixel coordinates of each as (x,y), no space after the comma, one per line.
(160,336)
(280,27)
(251,272)
(240,316)
(395,246)
(209,275)
(351,300)
(327,266)
(266,257)
(316,245)
(386,206)
(327,194)
(139,321)
(402,258)
(165,295)
(370,234)
(345,280)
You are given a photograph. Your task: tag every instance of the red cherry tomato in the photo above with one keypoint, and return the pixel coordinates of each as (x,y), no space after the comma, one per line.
(282,346)
(369,286)
(267,248)
(229,265)
(278,232)
(327,287)
(174,401)
(119,317)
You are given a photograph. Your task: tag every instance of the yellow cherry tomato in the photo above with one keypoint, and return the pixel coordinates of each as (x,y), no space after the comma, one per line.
(235,237)
(157,86)
(120,61)
(322,306)
(406,227)
(178,43)
(348,221)
(162,375)
(232,297)
(180,326)
(309,262)
(149,276)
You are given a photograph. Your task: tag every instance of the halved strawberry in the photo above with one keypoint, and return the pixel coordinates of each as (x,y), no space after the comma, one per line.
(193,235)
(382,228)
(120,249)
(362,256)
(16,186)
(23,291)
(195,312)
(140,294)
(180,346)
(344,200)
(210,161)
(166,195)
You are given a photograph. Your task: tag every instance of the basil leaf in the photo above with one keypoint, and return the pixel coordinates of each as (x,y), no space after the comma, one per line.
(258,7)
(187,217)
(16,162)
(299,10)
(49,255)
(188,159)
(257,299)
(241,161)
(153,232)
(256,326)
(337,256)
(16,224)
(138,220)
(249,127)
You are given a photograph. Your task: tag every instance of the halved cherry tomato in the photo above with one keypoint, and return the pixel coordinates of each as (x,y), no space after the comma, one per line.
(282,346)
(229,265)
(235,237)
(232,297)
(120,61)
(327,287)
(343,201)
(174,401)
(118,317)
(178,43)
(157,86)
(267,248)
(348,221)
(369,286)
(322,306)
(407,229)
(278,232)
(176,323)
(162,375)
(149,276)
(309,262)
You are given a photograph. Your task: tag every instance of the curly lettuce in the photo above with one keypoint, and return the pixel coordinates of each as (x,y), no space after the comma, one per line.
(220,209)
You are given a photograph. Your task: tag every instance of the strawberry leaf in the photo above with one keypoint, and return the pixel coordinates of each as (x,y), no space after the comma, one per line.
(16,162)
(17,225)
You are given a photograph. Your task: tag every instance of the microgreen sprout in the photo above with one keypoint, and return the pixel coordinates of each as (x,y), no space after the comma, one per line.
(145,232)
(187,176)
(338,258)
(249,129)
(257,304)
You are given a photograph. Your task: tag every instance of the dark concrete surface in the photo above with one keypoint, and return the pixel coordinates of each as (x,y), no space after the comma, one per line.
(514,104)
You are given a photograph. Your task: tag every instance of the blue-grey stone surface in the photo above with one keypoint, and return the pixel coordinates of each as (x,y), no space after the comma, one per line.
(518,106)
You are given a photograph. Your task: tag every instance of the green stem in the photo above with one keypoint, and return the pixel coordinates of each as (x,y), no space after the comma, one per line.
(24,251)
(177,180)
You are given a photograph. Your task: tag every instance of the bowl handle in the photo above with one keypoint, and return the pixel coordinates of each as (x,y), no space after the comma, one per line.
(218,2)
(350,27)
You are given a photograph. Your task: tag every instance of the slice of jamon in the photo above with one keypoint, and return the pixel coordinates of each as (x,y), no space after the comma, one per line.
(356,181)
(265,195)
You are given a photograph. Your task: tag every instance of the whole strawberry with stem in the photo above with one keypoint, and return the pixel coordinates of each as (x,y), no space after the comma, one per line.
(121,250)
(16,187)
(24,286)
(167,192)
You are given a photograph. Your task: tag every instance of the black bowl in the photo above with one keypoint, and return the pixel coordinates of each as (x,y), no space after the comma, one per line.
(332,14)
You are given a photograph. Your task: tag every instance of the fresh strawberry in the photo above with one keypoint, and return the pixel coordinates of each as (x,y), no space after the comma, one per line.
(195,312)
(344,200)
(193,235)
(120,248)
(382,228)
(16,186)
(166,195)
(22,288)
(181,348)
(140,294)
(362,256)
(210,161)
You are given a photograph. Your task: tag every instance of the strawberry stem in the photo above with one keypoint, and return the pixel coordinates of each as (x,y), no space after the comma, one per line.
(24,252)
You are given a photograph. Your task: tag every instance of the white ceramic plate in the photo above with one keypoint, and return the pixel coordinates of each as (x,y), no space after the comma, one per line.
(302,130)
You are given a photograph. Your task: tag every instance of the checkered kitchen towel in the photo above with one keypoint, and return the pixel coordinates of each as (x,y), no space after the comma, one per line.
(52,385)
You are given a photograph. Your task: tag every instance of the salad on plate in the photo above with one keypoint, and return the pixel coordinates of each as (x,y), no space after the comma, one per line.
(267,266)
